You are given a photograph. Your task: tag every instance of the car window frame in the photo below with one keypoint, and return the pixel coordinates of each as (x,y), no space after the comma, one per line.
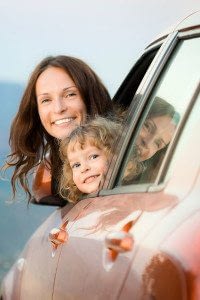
(165,165)
(136,108)
(138,103)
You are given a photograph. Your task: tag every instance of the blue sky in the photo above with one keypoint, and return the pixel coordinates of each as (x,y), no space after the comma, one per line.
(108,34)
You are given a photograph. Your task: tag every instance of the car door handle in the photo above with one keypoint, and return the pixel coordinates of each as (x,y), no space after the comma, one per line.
(119,241)
(58,236)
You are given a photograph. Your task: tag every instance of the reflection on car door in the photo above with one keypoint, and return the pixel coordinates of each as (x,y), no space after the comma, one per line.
(38,260)
(85,258)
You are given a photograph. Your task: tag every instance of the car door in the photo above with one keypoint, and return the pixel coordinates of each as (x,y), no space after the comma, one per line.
(103,238)
(166,263)
(33,275)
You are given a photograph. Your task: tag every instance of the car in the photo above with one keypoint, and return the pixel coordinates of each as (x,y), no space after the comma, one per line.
(139,236)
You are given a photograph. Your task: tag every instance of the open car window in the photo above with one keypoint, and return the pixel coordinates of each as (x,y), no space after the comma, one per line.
(161,116)
(128,88)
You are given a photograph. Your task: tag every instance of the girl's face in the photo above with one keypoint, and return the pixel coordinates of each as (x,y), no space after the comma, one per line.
(89,166)
(60,105)
(155,134)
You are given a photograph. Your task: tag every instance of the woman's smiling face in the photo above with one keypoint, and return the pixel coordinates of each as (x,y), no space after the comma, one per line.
(60,105)
(155,134)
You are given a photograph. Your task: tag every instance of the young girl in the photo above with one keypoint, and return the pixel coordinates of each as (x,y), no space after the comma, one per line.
(86,155)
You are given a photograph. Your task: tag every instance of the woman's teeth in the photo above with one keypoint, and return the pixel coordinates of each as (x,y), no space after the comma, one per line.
(67,120)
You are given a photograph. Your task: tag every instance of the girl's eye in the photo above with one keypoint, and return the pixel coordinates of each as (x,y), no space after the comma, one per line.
(76,165)
(94,156)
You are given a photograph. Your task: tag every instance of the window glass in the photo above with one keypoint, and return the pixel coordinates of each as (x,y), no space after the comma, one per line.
(131,83)
(189,158)
(161,116)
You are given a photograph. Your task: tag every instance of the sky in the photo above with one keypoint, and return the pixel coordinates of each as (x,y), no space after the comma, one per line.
(109,35)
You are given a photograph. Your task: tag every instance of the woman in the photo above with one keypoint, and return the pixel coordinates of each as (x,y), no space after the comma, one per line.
(61,92)
(151,143)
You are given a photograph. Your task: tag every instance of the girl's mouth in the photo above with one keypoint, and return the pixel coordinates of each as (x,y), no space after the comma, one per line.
(91,178)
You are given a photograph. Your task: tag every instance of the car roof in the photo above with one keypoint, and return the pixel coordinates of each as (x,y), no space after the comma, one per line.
(189,22)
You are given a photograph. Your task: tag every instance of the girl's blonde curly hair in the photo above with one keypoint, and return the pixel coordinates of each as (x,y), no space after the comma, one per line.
(99,132)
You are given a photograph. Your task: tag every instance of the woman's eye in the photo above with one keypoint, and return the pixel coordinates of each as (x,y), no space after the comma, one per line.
(45,100)
(143,143)
(76,165)
(158,144)
(69,95)
(147,125)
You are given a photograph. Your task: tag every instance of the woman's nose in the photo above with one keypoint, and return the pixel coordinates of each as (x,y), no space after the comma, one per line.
(59,105)
(150,149)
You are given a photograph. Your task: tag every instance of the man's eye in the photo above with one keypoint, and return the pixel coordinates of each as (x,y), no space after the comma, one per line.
(76,165)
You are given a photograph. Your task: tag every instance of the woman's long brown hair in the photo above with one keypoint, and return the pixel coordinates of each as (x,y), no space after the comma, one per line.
(28,140)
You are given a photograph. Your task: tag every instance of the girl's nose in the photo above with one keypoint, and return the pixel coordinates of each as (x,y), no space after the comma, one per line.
(85,167)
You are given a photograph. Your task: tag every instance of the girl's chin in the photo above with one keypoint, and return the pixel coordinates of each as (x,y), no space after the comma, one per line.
(92,191)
